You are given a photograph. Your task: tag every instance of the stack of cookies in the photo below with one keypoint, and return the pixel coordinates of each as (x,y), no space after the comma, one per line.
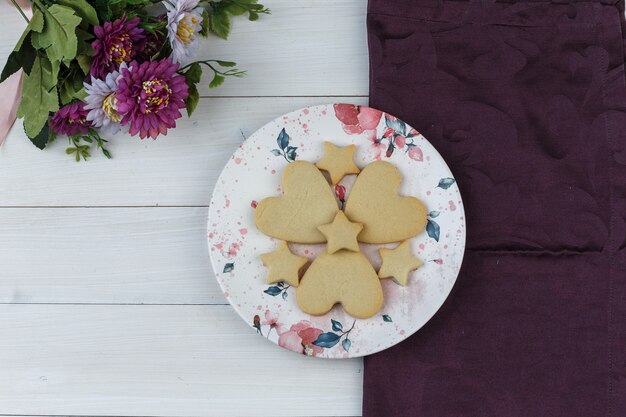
(308,213)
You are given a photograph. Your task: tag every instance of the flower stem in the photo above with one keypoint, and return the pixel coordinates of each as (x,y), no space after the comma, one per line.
(19,9)
(229,73)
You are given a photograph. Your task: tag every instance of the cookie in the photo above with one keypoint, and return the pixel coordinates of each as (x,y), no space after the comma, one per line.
(343,277)
(398,263)
(283,265)
(341,233)
(307,202)
(338,161)
(374,202)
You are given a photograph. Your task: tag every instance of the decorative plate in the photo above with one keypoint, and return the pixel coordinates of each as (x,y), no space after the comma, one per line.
(253,173)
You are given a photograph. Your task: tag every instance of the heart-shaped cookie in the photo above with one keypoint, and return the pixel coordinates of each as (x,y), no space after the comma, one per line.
(343,277)
(307,202)
(386,216)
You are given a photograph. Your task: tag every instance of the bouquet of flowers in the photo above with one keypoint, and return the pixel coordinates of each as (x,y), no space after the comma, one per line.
(95,67)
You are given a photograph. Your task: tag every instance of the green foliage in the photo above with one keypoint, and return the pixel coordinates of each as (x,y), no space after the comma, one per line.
(24,58)
(39,96)
(35,25)
(84,61)
(83,46)
(45,136)
(194,73)
(192,77)
(109,10)
(192,99)
(227,64)
(219,23)
(205,23)
(217,80)
(81,145)
(82,9)
(23,54)
(58,36)
(222,11)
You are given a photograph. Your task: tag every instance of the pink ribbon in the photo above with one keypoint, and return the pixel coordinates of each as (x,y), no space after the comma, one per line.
(11,90)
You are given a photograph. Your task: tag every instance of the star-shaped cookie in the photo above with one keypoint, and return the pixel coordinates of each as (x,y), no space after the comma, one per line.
(338,161)
(398,262)
(283,265)
(341,233)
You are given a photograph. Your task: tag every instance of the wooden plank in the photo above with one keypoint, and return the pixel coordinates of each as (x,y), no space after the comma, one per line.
(106,255)
(304,48)
(160,360)
(178,169)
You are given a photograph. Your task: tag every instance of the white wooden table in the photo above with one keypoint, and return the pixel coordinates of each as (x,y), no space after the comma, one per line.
(108,305)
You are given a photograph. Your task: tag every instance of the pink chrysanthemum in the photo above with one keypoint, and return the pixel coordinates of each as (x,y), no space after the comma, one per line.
(71,120)
(150,97)
(116,42)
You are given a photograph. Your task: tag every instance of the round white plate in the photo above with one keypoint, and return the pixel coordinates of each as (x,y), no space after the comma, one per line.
(253,173)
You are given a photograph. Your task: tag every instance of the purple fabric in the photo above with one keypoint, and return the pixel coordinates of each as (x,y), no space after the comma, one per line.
(527,103)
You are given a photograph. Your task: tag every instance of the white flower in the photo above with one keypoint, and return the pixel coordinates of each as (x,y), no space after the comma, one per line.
(184,20)
(102,104)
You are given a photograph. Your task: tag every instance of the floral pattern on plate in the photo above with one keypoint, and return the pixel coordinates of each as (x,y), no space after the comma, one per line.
(253,173)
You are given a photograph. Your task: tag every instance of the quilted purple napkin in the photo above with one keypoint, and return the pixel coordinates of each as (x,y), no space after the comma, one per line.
(526,101)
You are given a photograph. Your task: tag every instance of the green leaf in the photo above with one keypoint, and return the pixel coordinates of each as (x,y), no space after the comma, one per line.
(227,64)
(253,16)
(58,37)
(229,267)
(71,83)
(35,25)
(84,62)
(81,94)
(217,81)
(82,9)
(387,318)
(22,58)
(23,54)
(44,137)
(193,74)
(235,9)
(13,65)
(55,67)
(39,96)
(66,92)
(219,23)
(83,46)
(204,31)
(191,102)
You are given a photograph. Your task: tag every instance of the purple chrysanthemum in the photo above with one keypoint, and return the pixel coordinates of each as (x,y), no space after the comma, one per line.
(150,96)
(71,120)
(116,42)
